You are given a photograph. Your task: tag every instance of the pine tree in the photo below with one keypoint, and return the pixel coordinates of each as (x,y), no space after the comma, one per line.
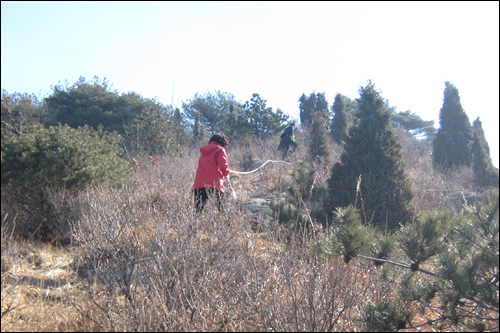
(339,128)
(451,145)
(319,137)
(485,174)
(371,174)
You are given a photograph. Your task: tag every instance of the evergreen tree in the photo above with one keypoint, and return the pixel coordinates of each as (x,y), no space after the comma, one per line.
(413,124)
(451,145)
(212,108)
(40,160)
(178,129)
(321,107)
(306,108)
(339,128)
(151,132)
(319,138)
(316,102)
(485,174)
(262,120)
(19,111)
(86,103)
(371,174)
(198,132)
(237,125)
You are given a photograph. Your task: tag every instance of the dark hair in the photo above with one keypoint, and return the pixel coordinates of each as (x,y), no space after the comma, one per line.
(220,138)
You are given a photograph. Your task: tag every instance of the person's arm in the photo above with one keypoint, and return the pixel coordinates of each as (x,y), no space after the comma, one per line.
(222,162)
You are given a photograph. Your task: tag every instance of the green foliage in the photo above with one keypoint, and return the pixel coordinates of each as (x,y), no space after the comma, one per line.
(57,158)
(372,151)
(425,237)
(86,103)
(62,156)
(153,132)
(339,127)
(485,174)
(462,292)
(289,207)
(465,281)
(198,131)
(146,125)
(262,120)
(19,111)
(383,246)
(472,268)
(211,108)
(319,138)
(451,145)
(385,315)
(347,235)
(286,210)
(315,103)
(413,124)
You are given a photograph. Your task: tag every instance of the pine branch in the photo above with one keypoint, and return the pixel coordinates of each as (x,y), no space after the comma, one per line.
(397,263)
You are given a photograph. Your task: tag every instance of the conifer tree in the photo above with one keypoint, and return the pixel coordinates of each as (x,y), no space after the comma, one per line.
(316,102)
(198,131)
(371,174)
(485,174)
(451,145)
(321,107)
(339,128)
(319,137)
(306,108)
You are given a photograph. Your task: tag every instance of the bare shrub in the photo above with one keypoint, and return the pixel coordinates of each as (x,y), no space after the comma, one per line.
(150,263)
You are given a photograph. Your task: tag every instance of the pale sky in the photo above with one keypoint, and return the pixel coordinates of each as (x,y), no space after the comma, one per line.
(280,50)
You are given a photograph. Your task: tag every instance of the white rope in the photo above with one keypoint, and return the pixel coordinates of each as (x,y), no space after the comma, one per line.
(247,172)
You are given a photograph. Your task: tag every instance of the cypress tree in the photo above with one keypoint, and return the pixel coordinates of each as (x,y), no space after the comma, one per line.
(321,106)
(306,108)
(339,128)
(319,137)
(485,174)
(371,173)
(451,145)
(316,102)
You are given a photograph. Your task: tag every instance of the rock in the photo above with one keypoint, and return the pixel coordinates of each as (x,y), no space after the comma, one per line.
(259,209)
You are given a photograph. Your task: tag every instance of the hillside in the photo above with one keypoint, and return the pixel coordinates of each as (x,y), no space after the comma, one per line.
(140,259)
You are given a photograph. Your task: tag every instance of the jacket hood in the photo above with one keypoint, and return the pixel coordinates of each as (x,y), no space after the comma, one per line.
(210,148)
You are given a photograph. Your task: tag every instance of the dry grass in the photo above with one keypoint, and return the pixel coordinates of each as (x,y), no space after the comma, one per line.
(142,260)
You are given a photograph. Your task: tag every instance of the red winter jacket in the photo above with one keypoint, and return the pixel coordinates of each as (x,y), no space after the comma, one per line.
(212,167)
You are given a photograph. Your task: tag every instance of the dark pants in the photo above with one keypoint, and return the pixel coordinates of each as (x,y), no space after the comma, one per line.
(287,145)
(201,197)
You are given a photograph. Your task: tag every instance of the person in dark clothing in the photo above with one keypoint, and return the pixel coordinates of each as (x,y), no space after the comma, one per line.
(212,168)
(287,143)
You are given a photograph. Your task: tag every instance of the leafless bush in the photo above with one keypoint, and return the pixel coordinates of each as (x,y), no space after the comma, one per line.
(150,263)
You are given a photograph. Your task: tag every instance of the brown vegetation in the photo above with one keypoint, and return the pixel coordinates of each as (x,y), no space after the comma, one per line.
(141,260)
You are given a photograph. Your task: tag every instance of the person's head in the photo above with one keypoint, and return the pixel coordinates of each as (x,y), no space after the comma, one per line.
(293,125)
(220,138)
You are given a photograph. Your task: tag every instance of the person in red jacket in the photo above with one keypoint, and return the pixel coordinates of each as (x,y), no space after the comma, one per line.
(212,168)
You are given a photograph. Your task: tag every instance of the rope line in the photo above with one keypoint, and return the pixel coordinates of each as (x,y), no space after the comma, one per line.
(233,192)
(248,172)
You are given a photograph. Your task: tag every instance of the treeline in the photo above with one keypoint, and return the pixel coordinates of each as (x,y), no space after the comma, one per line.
(149,127)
